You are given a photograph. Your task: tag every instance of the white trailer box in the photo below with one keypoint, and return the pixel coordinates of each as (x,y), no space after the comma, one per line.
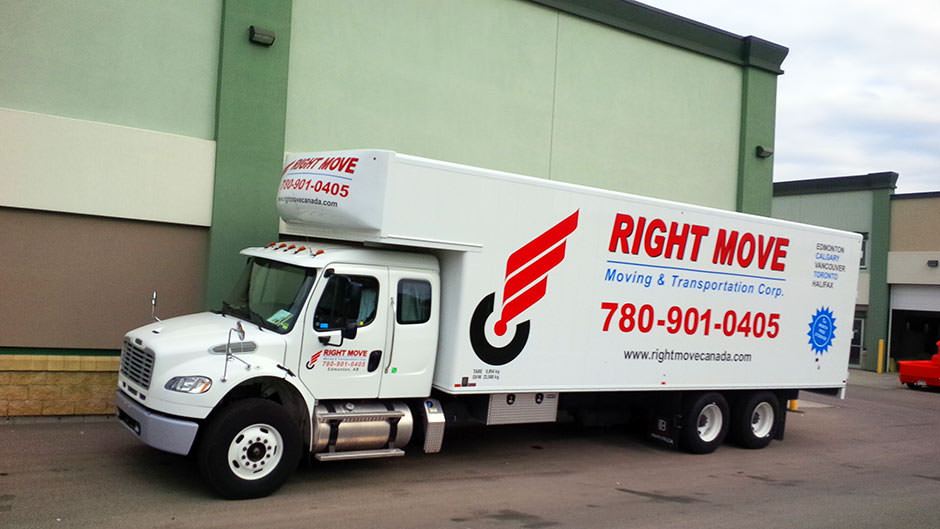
(555,287)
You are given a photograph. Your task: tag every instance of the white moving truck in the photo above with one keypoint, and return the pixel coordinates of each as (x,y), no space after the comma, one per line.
(409,294)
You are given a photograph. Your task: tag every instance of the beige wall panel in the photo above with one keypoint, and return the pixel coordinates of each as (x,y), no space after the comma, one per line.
(914,224)
(74,281)
(911,268)
(864,281)
(60,164)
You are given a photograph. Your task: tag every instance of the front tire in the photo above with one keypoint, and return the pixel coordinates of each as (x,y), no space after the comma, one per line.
(754,419)
(704,423)
(249,449)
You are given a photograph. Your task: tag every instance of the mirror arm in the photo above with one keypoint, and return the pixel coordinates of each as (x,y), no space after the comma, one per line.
(153,306)
(240,331)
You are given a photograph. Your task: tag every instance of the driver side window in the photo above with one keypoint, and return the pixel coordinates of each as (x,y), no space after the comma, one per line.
(347,302)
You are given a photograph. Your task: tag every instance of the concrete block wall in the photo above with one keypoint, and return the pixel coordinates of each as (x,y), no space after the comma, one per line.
(41,385)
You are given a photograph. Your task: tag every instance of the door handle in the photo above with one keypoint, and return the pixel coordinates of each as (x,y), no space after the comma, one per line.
(375,358)
(391,344)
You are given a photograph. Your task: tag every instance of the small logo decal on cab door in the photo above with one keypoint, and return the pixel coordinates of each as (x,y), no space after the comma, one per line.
(525,284)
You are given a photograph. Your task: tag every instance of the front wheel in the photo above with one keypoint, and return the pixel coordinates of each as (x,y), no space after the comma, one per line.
(249,449)
(704,423)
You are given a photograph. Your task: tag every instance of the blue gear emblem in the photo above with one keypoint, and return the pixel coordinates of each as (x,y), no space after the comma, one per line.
(822,330)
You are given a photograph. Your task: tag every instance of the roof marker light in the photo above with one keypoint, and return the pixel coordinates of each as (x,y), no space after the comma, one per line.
(318,252)
(302,248)
(283,244)
(271,244)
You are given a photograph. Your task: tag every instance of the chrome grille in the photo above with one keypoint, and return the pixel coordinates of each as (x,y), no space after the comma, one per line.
(137,364)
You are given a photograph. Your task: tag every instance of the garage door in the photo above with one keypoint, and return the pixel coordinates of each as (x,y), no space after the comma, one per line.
(915,297)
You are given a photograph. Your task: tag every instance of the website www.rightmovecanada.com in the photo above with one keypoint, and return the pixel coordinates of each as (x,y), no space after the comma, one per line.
(671,355)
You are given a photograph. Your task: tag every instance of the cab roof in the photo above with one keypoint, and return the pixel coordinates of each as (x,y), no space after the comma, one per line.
(318,254)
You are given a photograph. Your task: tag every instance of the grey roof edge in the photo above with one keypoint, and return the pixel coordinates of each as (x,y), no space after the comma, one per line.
(921,194)
(837,184)
(678,31)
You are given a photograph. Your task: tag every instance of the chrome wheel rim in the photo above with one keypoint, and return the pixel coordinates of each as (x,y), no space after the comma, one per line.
(255,451)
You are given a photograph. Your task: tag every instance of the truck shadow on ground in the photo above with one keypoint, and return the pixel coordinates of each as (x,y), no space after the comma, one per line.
(531,449)
(151,469)
(487,453)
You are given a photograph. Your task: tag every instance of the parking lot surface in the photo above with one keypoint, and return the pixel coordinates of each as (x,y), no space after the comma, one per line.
(872,460)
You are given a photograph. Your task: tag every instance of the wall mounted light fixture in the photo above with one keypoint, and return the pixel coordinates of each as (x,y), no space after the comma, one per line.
(933,263)
(261,36)
(763,152)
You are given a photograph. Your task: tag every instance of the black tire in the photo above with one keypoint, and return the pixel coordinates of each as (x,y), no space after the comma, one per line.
(911,385)
(754,419)
(278,445)
(701,431)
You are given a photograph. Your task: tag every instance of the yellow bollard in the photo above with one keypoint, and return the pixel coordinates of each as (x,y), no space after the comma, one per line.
(880,368)
(793,405)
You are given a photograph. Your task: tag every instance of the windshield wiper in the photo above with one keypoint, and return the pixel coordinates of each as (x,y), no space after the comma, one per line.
(256,318)
(238,312)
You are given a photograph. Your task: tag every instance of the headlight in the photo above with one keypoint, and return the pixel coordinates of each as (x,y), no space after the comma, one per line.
(192,384)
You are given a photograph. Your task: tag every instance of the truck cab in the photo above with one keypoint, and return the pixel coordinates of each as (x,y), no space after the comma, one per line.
(333,328)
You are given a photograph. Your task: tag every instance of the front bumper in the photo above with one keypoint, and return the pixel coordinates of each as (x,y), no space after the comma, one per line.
(155,429)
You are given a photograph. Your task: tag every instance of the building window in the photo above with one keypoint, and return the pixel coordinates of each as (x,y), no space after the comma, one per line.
(858,341)
(863,264)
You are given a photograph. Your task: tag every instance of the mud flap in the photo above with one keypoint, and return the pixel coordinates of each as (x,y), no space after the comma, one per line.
(781,421)
(666,419)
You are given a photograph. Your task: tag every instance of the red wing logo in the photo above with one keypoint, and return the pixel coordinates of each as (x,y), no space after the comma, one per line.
(525,284)
(312,363)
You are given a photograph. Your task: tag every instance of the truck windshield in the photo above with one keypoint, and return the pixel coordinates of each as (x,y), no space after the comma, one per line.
(269,294)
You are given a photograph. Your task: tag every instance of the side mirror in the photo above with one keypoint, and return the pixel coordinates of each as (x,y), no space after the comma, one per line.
(153,306)
(350,331)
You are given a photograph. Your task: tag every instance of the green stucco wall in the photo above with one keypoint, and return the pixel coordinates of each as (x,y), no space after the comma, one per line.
(252,101)
(638,116)
(515,86)
(878,294)
(850,211)
(149,65)
(756,175)
(468,82)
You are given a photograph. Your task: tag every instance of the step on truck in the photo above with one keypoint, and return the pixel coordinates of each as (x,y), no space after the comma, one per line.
(406,295)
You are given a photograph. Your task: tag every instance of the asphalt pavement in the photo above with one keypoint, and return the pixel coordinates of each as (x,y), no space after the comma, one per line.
(869,461)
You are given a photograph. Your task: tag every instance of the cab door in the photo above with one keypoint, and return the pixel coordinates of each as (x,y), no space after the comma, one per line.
(409,361)
(345,330)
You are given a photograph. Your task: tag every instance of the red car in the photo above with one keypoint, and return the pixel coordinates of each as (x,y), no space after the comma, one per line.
(916,373)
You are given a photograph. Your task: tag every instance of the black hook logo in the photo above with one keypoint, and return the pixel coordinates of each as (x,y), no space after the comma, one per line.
(494,356)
